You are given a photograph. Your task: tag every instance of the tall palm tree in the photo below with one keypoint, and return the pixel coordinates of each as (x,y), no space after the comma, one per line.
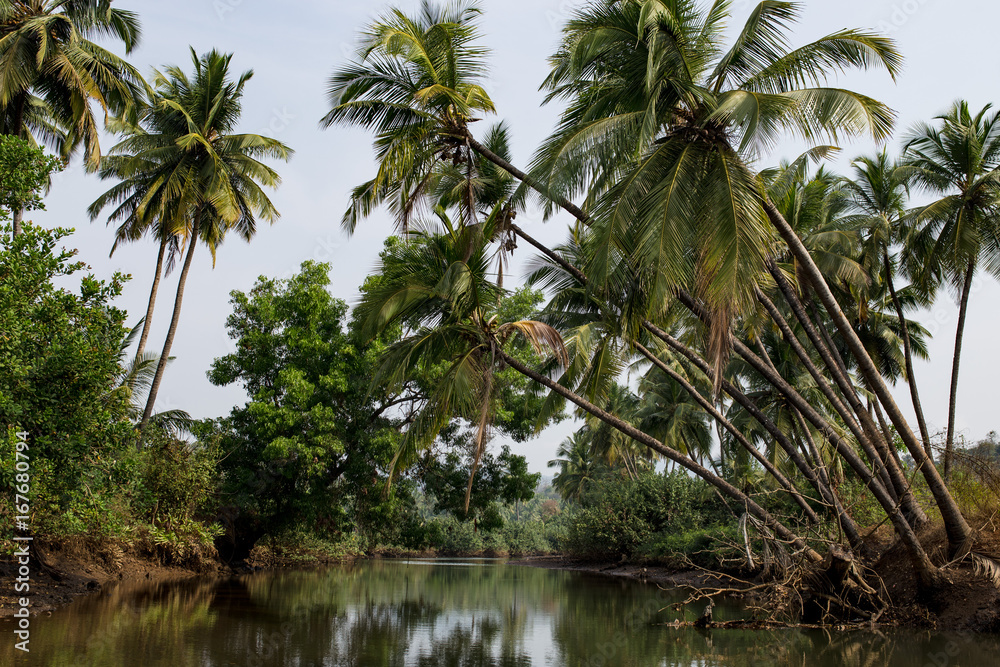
(52,75)
(189,167)
(878,195)
(140,209)
(958,161)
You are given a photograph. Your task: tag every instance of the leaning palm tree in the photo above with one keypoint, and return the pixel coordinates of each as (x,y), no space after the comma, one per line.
(662,127)
(137,161)
(958,160)
(190,167)
(687,119)
(52,75)
(416,83)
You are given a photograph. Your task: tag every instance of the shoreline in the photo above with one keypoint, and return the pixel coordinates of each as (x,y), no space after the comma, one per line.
(78,568)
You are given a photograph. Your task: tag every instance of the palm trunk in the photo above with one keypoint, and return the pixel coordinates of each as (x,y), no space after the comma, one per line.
(649,441)
(564,203)
(175,318)
(958,529)
(882,446)
(866,433)
(963,309)
(908,356)
(147,322)
(721,420)
(844,520)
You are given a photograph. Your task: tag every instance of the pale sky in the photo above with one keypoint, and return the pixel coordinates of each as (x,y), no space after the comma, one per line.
(950,51)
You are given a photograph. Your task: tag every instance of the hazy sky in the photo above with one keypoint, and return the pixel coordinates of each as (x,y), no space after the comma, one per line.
(293,47)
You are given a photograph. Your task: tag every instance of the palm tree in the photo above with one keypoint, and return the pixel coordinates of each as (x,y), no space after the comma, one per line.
(579,469)
(415,83)
(139,207)
(958,161)
(189,167)
(661,126)
(439,287)
(687,118)
(878,195)
(53,75)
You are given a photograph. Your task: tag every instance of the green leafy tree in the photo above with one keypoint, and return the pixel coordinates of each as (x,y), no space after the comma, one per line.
(312,442)
(499,479)
(60,348)
(24,172)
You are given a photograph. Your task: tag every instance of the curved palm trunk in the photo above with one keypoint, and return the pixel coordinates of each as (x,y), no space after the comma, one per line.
(866,433)
(958,529)
(824,488)
(911,380)
(175,318)
(721,420)
(147,322)
(928,572)
(564,203)
(649,441)
(959,533)
(963,309)
(881,446)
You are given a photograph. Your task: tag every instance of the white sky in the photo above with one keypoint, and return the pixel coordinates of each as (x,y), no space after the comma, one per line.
(950,50)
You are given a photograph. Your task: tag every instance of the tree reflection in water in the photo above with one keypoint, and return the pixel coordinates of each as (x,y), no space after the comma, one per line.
(469,614)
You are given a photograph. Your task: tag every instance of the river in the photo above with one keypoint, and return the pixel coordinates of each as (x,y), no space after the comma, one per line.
(462,613)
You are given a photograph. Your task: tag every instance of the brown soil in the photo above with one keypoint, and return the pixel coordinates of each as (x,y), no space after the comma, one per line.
(78,567)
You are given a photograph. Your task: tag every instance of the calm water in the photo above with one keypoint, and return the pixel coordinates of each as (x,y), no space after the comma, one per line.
(460,613)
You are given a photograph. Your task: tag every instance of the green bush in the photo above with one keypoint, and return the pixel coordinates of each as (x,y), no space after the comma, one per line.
(454,538)
(640,519)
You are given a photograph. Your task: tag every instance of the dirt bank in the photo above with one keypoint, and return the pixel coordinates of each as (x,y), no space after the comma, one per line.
(69,569)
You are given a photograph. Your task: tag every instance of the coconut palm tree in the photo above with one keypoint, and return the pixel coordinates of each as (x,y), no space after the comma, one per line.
(957,159)
(685,201)
(416,84)
(189,167)
(578,467)
(668,122)
(878,197)
(53,75)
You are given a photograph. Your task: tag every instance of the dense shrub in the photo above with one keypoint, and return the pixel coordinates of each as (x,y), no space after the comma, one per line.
(654,517)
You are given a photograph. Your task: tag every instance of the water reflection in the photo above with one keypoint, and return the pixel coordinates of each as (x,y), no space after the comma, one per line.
(463,614)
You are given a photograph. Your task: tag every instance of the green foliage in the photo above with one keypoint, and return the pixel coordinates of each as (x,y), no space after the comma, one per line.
(60,350)
(313,440)
(24,171)
(499,479)
(642,518)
